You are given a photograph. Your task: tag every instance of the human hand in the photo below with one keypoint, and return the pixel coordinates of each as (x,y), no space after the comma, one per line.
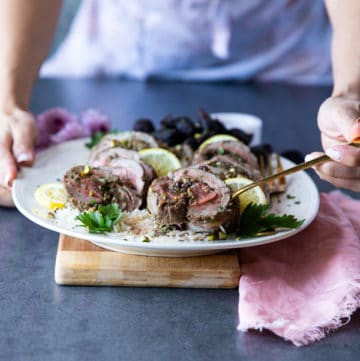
(17,139)
(5,197)
(339,123)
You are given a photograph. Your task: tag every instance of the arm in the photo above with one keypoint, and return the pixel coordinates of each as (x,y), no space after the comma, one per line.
(26,31)
(344,17)
(338,116)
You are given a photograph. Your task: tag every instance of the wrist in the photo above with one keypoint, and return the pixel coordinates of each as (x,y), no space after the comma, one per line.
(349,92)
(13,97)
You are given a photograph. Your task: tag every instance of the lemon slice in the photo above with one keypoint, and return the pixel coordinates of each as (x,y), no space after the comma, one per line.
(160,159)
(218,138)
(255,195)
(51,195)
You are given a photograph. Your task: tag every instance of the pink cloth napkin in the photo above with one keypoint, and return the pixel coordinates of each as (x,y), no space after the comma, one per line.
(305,286)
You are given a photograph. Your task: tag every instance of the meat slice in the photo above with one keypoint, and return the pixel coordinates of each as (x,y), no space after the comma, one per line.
(149,173)
(224,166)
(103,158)
(184,152)
(126,164)
(209,201)
(127,140)
(194,197)
(129,171)
(125,196)
(167,201)
(237,150)
(87,187)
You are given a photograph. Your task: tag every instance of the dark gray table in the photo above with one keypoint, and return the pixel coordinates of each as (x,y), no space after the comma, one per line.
(42,321)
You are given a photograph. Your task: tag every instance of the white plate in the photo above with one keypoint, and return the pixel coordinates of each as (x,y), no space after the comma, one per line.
(52,163)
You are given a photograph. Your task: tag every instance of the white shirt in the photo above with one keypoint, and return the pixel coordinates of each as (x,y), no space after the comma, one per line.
(203,40)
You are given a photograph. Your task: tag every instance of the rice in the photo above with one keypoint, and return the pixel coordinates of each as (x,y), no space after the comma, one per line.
(136,226)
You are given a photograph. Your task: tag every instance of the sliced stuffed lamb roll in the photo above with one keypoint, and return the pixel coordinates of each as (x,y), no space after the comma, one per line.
(126,140)
(88,187)
(167,201)
(237,150)
(126,164)
(193,197)
(225,166)
(210,207)
(103,157)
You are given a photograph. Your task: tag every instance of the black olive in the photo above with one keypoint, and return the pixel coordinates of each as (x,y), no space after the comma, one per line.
(185,125)
(293,155)
(205,119)
(241,135)
(168,122)
(216,126)
(264,149)
(192,142)
(144,125)
(169,136)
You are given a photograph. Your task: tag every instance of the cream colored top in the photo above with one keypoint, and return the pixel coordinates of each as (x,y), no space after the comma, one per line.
(204,40)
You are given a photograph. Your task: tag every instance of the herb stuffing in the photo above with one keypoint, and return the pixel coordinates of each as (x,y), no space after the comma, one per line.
(101,220)
(256,219)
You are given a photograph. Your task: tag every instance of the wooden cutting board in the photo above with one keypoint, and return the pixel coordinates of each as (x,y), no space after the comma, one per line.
(79,262)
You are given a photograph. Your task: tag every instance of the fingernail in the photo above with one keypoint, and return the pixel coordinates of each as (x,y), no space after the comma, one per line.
(333,154)
(308,157)
(23,157)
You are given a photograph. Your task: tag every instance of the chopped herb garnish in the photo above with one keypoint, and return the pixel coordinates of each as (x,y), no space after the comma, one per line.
(145,239)
(289,196)
(101,220)
(220,151)
(165,228)
(255,219)
(96,138)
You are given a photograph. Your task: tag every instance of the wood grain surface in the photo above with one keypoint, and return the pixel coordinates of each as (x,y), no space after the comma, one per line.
(79,262)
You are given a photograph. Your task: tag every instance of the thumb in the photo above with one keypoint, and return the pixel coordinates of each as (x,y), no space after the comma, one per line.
(337,119)
(346,154)
(23,130)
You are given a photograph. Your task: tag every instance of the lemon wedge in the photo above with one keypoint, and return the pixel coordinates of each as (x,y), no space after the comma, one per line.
(160,159)
(50,196)
(255,195)
(218,138)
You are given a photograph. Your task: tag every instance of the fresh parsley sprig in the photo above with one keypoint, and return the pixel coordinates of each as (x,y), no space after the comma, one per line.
(255,219)
(101,220)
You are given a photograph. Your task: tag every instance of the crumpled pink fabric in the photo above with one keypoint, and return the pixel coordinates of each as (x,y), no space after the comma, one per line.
(303,287)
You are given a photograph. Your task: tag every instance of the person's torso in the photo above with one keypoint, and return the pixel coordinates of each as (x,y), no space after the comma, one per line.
(283,40)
